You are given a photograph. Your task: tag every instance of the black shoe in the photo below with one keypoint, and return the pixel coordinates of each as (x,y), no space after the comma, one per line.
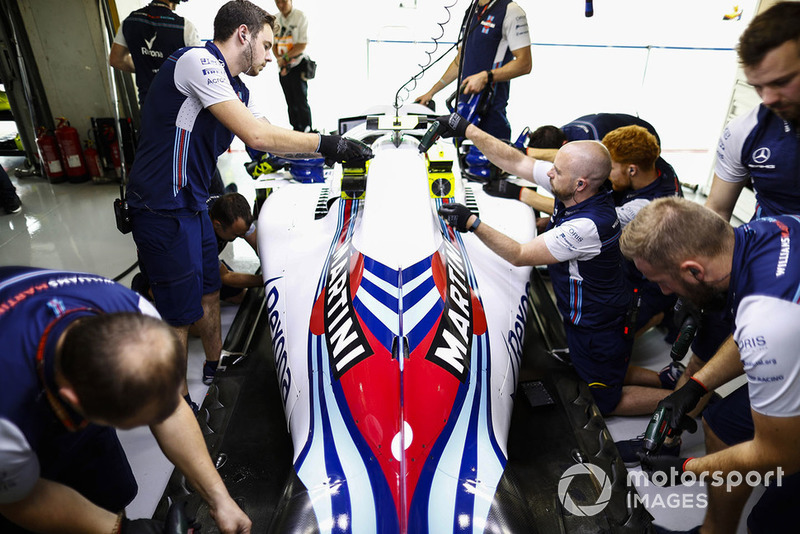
(13,206)
(629,449)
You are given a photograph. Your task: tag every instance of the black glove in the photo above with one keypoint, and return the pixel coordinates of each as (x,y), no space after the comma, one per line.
(671,468)
(141,526)
(335,148)
(456,215)
(683,309)
(502,189)
(454,125)
(680,402)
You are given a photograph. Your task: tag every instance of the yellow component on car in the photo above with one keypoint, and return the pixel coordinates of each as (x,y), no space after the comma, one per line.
(441,182)
(354,180)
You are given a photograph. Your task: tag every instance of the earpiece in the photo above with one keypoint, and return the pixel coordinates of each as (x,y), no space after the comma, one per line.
(630,172)
(580,183)
(694,271)
(243,37)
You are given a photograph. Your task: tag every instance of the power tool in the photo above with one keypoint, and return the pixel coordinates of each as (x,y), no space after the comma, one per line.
(685,337)
(658,430)
(434,131)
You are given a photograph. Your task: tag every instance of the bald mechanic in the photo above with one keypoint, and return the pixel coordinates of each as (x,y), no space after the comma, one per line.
(82,355)
(690,250)
(582,254)
(202,105)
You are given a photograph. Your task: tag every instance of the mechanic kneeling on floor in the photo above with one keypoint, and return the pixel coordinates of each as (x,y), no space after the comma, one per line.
(690,250)
(81,355)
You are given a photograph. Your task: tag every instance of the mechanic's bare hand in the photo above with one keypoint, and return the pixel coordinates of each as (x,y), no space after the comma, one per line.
(230,519)
(474,84)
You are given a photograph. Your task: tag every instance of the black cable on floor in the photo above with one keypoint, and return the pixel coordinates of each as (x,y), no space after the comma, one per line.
(126,271)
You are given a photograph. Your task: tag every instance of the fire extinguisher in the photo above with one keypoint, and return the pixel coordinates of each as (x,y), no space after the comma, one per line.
(70,144)
(50,156)
(93,160)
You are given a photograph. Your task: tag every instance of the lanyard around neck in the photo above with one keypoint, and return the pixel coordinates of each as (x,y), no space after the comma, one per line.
(55,401)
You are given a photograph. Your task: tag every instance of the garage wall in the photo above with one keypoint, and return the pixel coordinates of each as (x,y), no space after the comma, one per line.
(67,42)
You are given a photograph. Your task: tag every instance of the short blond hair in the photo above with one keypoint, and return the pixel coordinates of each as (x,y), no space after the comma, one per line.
(670,230)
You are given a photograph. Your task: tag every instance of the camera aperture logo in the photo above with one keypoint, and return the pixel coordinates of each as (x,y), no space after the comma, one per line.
(588,509)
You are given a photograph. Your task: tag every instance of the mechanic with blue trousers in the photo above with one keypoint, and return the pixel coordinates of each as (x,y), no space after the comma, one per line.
(202,105)
(636,179)
(232,218)
(689,250)
(82,355)
(581,250)
(495,50)
(761,148)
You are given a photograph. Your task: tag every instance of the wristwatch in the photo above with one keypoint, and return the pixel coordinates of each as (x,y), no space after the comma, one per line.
(491,76)
(474,225)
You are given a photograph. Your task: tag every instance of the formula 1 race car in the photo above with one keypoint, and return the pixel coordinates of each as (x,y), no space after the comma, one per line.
(403,355)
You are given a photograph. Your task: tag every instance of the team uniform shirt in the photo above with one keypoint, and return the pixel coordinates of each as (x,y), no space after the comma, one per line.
(31,301)
(503,27)
(181,139)
(765,148)
(590,289)
(631,201)
(292,30)
(594,127)
(651,300)
(151,34)
(765,296)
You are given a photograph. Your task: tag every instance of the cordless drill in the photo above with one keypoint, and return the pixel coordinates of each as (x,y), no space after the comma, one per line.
(434,131)
(685,337)
(658,430)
